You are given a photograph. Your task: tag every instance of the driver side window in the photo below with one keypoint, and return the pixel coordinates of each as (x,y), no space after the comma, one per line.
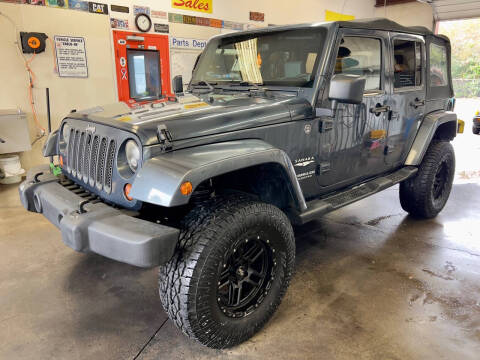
(361,56)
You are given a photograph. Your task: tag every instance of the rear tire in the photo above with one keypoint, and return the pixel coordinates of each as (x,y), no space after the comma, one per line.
(425,195)
(233,265)
(476,131)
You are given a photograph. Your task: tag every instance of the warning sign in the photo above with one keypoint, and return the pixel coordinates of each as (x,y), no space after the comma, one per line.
(71,56)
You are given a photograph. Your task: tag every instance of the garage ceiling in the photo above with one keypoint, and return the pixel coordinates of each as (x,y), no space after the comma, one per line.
(454,9)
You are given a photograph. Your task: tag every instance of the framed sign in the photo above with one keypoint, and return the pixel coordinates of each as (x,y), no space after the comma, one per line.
(71,56)
(118,8)
(161,28)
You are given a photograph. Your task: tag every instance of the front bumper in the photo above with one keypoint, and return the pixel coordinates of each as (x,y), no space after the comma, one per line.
(96,227)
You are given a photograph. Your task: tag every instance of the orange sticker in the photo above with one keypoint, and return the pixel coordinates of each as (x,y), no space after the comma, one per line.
(33,42)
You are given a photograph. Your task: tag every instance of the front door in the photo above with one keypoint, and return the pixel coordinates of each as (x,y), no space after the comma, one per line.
(408,99)
(353,145)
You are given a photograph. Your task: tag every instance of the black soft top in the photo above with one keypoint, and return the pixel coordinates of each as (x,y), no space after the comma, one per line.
(384,24)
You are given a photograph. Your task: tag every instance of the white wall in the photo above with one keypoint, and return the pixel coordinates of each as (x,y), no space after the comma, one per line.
(410,14)
(65,93)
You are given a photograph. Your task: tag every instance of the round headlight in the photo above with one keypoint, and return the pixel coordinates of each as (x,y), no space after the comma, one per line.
(132,153)
(66,132)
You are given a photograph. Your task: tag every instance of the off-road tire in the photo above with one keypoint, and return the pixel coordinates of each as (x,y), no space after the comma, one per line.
(476,131)
(419,195)
(188,282)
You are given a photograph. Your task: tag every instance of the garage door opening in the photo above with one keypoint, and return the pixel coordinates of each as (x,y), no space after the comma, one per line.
(464,35)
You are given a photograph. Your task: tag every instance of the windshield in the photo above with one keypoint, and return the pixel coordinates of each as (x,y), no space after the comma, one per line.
(284,58)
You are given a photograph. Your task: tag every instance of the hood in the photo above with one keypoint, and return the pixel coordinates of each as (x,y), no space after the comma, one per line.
(196,116)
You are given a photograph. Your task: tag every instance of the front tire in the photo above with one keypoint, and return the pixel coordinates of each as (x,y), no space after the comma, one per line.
(232,267)
(425,195)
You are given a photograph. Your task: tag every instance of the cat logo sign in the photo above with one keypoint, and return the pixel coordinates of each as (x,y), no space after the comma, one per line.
(33,42)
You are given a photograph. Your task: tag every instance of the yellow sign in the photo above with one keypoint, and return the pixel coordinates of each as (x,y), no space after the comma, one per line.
(334,16)
(204,6)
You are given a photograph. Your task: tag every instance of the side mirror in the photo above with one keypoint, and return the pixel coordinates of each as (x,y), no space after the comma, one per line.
(346,89)
(177,84)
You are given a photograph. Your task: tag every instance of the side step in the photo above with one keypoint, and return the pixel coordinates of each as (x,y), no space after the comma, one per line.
(317,208)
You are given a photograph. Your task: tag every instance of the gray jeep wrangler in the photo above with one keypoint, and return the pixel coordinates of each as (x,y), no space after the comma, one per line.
(278,127)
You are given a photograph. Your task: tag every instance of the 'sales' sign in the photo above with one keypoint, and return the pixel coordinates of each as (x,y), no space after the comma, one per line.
(193,5)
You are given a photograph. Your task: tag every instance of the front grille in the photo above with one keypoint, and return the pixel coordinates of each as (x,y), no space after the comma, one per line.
(90,159)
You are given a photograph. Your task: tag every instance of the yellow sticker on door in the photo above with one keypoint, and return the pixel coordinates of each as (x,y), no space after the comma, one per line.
(378,134)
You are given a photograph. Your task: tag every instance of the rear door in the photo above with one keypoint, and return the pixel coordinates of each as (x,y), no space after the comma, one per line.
(408,98)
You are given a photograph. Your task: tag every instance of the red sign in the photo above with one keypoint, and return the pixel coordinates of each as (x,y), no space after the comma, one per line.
(257,16)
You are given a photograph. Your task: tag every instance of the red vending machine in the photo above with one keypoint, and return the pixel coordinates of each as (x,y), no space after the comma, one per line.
(142,64)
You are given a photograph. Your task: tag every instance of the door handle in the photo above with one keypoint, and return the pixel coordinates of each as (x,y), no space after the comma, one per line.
(377,110)
(417,103)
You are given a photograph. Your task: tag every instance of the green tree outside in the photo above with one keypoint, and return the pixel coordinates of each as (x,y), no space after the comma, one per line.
(464,37)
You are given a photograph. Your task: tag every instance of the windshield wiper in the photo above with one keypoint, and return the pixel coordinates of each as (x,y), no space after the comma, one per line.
(205,83)
(247,83)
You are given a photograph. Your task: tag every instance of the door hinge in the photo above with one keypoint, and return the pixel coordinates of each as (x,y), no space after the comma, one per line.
(325,125)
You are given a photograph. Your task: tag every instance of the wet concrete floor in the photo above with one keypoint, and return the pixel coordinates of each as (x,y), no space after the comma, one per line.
(370,283)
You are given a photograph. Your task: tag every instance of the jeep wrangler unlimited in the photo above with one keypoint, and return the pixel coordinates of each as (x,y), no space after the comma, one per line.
(278,127)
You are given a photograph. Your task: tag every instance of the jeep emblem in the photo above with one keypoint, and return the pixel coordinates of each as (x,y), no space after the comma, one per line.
(90,128)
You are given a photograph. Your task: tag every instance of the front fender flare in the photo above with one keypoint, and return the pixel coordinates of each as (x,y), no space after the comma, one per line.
(158,181)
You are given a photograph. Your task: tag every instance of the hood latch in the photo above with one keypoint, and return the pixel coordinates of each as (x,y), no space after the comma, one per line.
(164,137)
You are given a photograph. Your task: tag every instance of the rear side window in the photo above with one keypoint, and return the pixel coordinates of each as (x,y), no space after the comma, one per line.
(407,63)
(361,56)
(438,65)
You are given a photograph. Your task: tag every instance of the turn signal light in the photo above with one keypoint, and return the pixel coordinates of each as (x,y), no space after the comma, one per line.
(126,190)
(61,160)
(186,188)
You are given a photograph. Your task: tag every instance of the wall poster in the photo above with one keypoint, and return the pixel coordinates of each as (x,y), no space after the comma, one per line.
(71,56)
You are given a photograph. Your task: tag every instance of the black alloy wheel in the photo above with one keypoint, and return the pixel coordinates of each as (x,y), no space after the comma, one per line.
(245,276)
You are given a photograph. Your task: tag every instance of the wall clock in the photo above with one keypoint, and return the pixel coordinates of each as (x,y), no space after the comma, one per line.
(143,22)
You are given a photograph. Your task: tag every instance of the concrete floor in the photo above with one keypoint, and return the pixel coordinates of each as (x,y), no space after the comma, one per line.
(371,283)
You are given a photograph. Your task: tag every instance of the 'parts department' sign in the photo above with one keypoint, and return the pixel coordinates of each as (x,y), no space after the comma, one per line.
(71,56)
(184,43)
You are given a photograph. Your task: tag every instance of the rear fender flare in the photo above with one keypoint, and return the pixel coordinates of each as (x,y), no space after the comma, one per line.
(159,180)
(426,133)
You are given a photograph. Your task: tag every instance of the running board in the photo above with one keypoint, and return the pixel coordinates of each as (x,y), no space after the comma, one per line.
(317,208)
